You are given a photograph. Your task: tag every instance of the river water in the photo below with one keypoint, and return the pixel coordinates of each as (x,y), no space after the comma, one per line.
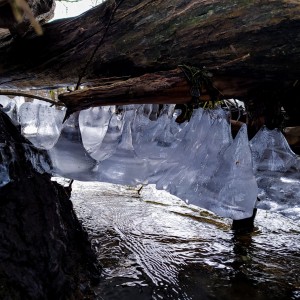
(155,246)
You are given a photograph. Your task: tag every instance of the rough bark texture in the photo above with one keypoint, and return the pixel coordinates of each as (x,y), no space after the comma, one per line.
(42,10)
(44,252)
(253,42)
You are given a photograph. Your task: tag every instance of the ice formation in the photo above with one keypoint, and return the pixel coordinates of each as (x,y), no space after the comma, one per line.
(69,157)
(198,161)
(271,151)
(41,124)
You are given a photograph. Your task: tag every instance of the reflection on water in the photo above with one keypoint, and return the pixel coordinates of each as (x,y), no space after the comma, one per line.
(154,246)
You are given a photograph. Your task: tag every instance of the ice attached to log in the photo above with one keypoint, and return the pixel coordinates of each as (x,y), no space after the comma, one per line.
(124,166)
(197,161)
(69,158)
(214,172)
(240,191)
(271,151)
(94,124)
(41,123)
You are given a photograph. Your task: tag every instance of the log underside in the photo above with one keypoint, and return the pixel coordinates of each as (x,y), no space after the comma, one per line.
(252,49)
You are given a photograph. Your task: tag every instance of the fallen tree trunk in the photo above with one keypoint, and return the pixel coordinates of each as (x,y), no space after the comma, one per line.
(167,87)
(256,43)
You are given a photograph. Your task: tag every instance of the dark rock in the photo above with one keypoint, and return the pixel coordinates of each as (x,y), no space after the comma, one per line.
(44,252)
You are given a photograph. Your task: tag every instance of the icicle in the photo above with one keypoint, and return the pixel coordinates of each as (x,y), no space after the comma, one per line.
(112,138)
(69,157)
(271,152)
(93,123)
(233,184)
(152,139)
(9,106)
(197,156)
(124,166)
(41,124)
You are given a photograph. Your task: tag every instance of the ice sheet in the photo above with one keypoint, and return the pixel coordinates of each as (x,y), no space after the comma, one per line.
(197,161)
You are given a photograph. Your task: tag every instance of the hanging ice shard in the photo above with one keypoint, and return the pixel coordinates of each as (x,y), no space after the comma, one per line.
(157,133)
(41,124)
(69,157)
(233,189)
(188,141)
(124,166)
(112,137)
(197,154)
(271,152)
(94,124)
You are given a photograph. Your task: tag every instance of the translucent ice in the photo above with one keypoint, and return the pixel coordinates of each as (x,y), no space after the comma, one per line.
(233,182)
(271,151)
(218,173)
(197,154)
(197,160)
(279,192)
(112,137)
(157,133)
(124,166)
(41,124)
(93,124)
(69,157)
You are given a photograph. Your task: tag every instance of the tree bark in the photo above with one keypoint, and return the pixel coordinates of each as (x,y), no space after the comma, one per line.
(30,12)
(248,45)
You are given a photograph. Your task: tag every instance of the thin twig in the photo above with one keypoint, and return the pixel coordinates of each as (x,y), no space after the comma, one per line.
(24,94)
(231,62)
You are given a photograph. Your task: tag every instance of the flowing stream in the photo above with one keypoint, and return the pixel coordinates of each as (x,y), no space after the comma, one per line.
(155,246)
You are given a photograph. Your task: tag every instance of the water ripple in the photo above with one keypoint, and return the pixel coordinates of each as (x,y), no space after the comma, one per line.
(157,247)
